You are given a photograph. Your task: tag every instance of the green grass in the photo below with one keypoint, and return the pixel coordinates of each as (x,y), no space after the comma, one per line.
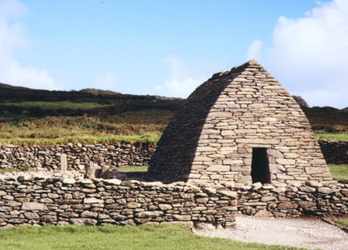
(133,169)
(83,138)
(159,237)
(332,136)
(58,105)
(339,172)
(143,126)
(132,126)
(343,222)
(10,170)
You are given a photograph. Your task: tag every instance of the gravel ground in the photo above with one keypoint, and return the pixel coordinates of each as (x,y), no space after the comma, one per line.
(305,233)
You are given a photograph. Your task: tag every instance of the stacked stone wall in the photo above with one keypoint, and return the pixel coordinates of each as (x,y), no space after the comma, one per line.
(312,198)
(115,154)
(79,155)
(26,201)
(59,201)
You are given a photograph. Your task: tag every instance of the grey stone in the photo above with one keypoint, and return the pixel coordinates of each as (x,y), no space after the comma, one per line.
(165,207)
(182,217)
(34,206)
(89,214)
(325,190)
(228,193)
(92,200)
(133,205)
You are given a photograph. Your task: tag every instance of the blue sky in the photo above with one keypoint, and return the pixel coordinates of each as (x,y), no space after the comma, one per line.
(170,47)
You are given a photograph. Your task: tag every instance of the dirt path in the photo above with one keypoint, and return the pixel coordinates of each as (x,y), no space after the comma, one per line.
(306,233)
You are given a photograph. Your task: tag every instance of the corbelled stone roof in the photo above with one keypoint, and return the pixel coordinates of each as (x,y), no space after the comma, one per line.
(212,136)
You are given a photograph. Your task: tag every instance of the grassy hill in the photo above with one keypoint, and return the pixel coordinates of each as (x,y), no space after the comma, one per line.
(92,115)
(17,102)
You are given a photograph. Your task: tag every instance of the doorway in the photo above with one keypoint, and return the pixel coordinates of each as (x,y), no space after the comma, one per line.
(260,166)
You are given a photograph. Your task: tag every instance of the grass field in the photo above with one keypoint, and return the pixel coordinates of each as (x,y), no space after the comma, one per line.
(133,126)
(159,237)
(343,222)
(339,172)
(58,105)
(133,169)
(332,136)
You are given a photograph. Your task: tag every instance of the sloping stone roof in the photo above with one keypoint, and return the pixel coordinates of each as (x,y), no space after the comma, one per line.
(211,138)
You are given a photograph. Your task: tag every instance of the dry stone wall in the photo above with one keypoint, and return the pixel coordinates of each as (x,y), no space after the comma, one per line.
(79,155)
(59,201)
(211,139)
(312,198)
(26,201)
(116,154)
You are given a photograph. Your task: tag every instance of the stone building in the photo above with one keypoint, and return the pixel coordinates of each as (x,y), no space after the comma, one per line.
(240,126)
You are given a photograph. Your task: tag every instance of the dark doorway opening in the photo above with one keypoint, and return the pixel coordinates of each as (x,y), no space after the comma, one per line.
(260,166)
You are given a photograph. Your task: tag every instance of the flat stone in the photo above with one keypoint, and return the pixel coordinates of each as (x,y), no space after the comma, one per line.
(165,207)
(89,214)
(314,184)
(219,168)
(256,185)
(149,214)
(345,192)
(34,206)
(53,196)
(268,198)
(86,181)
(68,181)
(133,205)
(182,217)
(263,213)
(92,200)
(308,205)
(228,193)
(210,190)
(325,190)
(307,189)
(287,205)
(113,181)
(31,216)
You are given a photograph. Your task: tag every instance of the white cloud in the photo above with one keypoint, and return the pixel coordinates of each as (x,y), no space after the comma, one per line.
(310,54)
(12,40)
(254,50)
(180,82)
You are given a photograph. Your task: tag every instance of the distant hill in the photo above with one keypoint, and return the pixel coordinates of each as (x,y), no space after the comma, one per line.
(7,86)
(114,102)
(99,92)
(20,101)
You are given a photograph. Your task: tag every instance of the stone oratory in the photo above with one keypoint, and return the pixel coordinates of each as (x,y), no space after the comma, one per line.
(239,127)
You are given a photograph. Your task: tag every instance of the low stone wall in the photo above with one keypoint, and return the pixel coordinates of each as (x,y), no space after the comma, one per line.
(57,201)
(116,154)
(293,201)
(62,201)
(79,155)
(335,152)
